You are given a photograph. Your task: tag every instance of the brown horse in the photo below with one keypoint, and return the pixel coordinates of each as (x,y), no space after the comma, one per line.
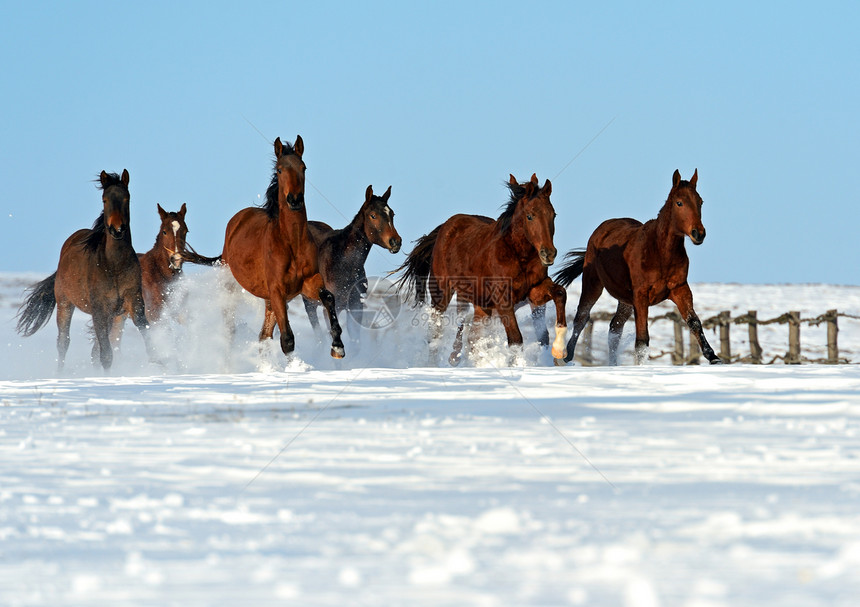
(492,264)
(162,264)
(270,252)
(342,254)
(641,265)
(98,273)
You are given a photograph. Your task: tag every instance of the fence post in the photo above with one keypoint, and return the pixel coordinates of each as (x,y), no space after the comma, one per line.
(793,356)
(678,325)
(755,348)
(832,331)
(725,320)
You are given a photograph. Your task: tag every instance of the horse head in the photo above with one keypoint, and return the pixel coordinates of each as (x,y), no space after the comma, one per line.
(171,236)
(685,207)
(535,213)
(115,198)
(290,172)
(379,220)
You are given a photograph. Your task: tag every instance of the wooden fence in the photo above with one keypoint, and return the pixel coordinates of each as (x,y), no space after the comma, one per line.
(723,323)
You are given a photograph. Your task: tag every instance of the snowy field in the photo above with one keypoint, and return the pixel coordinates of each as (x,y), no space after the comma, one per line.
(230,476)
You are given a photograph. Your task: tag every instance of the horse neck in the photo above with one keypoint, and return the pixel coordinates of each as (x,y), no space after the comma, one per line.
(158,259)
(668,243)
(515,238)
(117,251)
(356,242)
(293,225)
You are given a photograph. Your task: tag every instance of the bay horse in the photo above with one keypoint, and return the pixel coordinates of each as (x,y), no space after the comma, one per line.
(271,254)
(640,265)
(342,254)
(98,273)
(492,264)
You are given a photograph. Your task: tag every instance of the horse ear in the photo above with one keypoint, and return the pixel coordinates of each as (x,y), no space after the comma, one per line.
(103,177)
(299,146)
(676,178)
(161,212)
(512,180)
(387,194)
(124,177)
(182,211)
(547,187)
(278,147)
(368,193)
(534,179)
(694,178)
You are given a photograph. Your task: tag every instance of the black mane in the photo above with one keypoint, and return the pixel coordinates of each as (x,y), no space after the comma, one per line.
(97,233)
(270,206)
(111,179)
(517,191)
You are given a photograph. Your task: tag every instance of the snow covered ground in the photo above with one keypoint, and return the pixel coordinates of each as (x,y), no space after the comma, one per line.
(231,477)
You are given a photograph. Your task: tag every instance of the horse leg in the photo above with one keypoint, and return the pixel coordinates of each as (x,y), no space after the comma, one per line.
(101,328)
(354,318)
(616,327)
(311,307)
(313,287)
(269,321)
(64,321)
(538,296)
(137,311)
(640,317)
(457,352)
(592,288)
(683,298)
(539,322)
(277,304)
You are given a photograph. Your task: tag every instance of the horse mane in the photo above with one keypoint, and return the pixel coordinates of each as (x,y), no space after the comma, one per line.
(517,192)
(96,235)
(270,206)
(111,179)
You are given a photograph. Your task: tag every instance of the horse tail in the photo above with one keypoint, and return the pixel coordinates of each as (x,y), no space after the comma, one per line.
(416,268)
(572,269)
(38,306)
(192,256)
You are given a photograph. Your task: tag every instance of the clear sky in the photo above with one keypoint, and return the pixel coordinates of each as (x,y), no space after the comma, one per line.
(442,100)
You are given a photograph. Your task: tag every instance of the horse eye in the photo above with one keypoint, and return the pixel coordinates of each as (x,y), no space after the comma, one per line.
(279,171)
(373,215)
(164,231)
(529,217)
(679,203)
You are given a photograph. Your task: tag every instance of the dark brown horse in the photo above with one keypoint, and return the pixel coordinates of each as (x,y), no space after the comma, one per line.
(98,273)
(342,254)
(641,265)
(492,264)
(270,252)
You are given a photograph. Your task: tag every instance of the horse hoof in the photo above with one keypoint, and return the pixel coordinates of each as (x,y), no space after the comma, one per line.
(717,361)
(337,352)
(559,362)
(454,359)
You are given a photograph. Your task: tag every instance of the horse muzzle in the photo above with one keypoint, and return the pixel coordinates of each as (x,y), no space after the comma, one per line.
(547,256)
(698,237)
(394,244)
(175,262)
(116,233)
(296,201)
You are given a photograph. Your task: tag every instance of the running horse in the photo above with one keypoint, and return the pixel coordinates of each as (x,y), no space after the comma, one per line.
(161,266)
(492,264)
(342,254)
(641,265)
(98,273)
(271,254)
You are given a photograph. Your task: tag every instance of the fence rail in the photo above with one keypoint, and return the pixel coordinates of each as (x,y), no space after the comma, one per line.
(723,322)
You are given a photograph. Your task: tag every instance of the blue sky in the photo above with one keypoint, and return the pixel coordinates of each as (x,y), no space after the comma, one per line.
(442,101)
